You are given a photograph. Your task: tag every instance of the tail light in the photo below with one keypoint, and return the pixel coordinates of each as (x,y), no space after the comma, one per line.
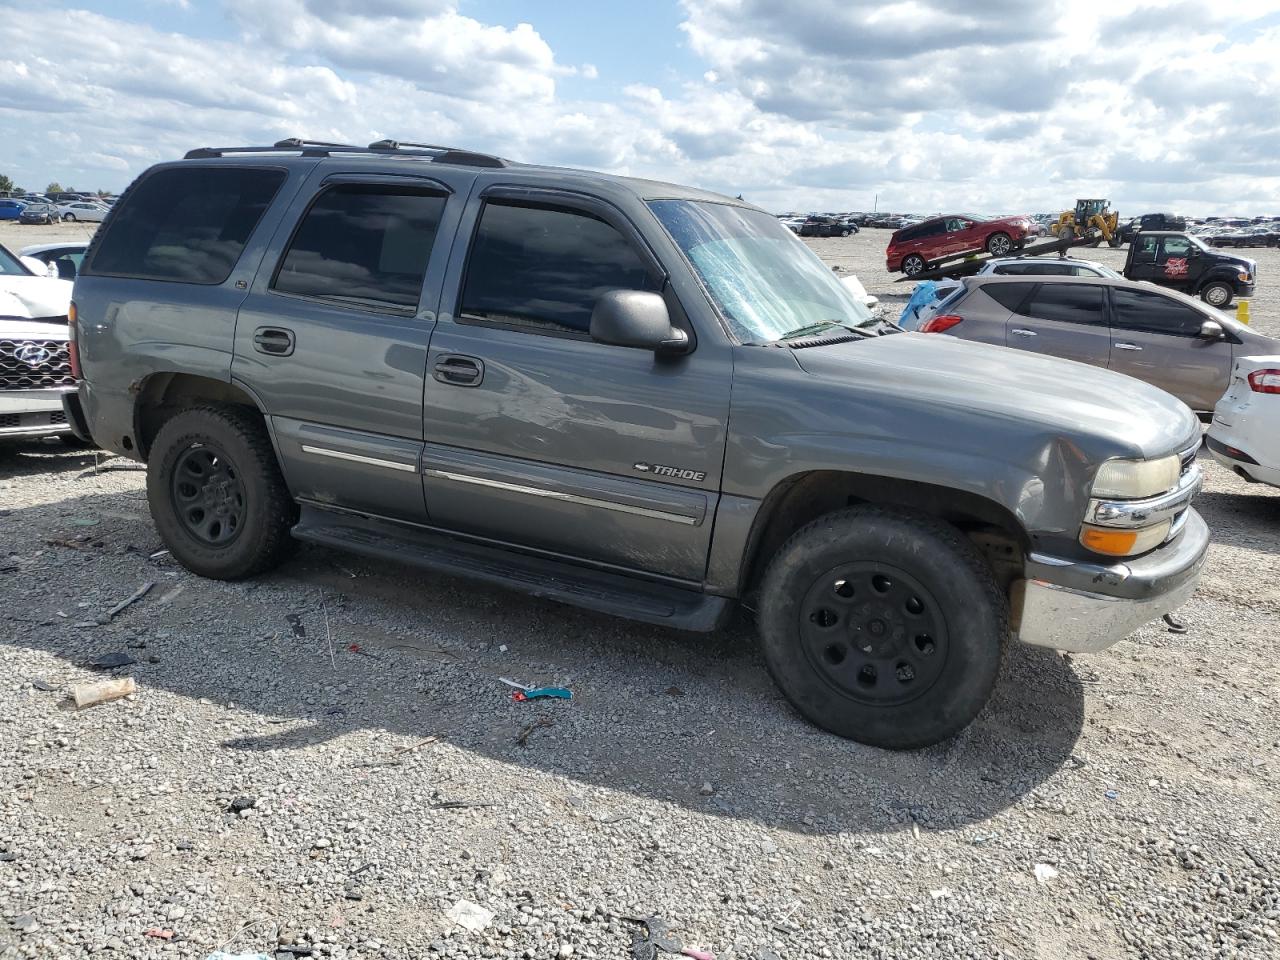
(940,323)
(73,348)
(1265,381)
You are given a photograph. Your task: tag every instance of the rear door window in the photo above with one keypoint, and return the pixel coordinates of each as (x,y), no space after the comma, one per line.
(1148,312)
(1008,295)
(185,223)
(363,245)
(1067,303)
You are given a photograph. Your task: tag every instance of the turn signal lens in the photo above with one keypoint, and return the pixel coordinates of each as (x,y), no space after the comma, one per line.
(1123,543)
(1135,479)
(941,323)
(1265,381)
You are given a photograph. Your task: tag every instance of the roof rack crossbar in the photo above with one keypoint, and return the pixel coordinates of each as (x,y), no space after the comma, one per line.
(320,148)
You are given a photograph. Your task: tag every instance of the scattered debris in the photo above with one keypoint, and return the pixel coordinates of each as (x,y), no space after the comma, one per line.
(674,692)
(399,752)
(159,934)
(26,923)
(158,554)
(92,694)
(542,693)
(1112,794)
(707,789)
(458,805)
(171,595)
(512,683)
(1045,873)
(295,623)
(1175,625)
(523,739)
(133,598)
(41,684)
(242,803)
(356,648)
(113,661)
(657,937)
(110,466)
(470,915)
(940,894)
(698,954)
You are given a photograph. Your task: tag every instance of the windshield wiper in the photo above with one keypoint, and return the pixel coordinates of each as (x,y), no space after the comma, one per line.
(819,327)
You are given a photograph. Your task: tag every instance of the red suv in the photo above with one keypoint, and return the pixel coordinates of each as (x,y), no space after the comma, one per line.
(914,249)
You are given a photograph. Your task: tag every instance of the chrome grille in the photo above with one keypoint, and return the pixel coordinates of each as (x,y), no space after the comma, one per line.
(34,365)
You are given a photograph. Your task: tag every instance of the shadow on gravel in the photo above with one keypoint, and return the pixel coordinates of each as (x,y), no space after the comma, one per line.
(656,714)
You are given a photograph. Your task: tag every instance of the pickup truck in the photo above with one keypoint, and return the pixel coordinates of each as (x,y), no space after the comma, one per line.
(1184,263)
(636,397)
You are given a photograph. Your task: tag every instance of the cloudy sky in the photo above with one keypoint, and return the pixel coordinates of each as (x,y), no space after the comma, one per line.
(989,105)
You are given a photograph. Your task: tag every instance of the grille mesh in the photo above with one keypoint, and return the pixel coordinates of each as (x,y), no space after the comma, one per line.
(34,365)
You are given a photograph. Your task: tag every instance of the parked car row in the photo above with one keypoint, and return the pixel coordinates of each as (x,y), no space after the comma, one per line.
(37,208)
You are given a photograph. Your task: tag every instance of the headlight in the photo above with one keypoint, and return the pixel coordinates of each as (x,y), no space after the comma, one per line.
(1136,479)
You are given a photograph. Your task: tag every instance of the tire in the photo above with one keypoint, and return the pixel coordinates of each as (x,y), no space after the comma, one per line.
(217,495)
(999,244)
(1217,293)
(1116,241)
(69,216)
(913,264)
(932,609)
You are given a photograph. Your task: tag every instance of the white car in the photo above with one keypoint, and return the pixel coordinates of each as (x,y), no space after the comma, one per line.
(82,210)
(1243,436)
(56,259)
(35,363)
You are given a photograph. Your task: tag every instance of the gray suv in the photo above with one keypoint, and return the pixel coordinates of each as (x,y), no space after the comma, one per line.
(634,397)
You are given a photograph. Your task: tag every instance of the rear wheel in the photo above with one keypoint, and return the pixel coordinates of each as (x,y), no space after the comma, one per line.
(216,493)
(1217,293)
(913,264)
(883,626)
(999,244)
(68,216)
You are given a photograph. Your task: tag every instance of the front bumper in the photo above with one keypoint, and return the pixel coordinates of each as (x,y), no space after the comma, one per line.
(32,413)
(1086,607)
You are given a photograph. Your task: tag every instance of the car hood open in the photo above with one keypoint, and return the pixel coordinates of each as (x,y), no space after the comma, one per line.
(942,372)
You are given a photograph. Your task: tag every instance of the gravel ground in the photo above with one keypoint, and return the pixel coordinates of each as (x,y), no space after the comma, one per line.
(340,791)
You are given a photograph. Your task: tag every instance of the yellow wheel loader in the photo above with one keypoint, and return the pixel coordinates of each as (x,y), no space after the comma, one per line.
(1091,218)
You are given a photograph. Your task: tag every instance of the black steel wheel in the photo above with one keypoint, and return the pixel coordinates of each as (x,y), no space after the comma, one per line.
(883,625)
(216,492)
(208,494)
(874,632)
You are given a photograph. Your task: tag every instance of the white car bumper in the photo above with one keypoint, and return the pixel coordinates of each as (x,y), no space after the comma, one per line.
(32,413)
(1243,435)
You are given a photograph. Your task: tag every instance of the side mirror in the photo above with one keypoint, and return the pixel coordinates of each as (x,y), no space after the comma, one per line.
(636,318)
(1212,330)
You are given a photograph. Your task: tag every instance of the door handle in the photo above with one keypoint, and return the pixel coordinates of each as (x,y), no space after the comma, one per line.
(1127,346)
(459,371)
(1023,332)
(275,341)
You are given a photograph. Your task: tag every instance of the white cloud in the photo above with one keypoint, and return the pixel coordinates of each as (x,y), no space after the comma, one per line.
(822,105)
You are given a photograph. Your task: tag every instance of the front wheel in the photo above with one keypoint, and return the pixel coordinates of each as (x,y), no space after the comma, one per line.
(883,626)
(69,216)
(999,244)
(913,265)
(216,493)
(1217,293)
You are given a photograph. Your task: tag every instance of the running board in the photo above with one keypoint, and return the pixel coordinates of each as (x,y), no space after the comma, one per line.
(550,579)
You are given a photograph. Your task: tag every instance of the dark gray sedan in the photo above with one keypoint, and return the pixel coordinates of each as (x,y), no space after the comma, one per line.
(1165,338)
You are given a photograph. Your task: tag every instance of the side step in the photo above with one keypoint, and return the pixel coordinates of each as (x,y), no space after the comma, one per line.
(598,590)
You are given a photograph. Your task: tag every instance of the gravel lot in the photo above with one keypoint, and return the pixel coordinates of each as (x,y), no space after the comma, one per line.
(1121,805)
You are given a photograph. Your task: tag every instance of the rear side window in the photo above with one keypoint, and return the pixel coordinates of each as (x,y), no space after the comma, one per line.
(1155,313)
(1067,303)
(545,267)
(364,245)
(1008,295)
(187,224)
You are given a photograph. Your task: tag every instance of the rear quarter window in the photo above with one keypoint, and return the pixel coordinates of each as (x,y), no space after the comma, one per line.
(185,224)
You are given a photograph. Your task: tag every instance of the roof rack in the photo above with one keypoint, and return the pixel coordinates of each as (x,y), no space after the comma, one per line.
(321,148)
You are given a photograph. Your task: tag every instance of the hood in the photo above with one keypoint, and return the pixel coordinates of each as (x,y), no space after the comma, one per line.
(1060,396)
(31,298)
(1250,265)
